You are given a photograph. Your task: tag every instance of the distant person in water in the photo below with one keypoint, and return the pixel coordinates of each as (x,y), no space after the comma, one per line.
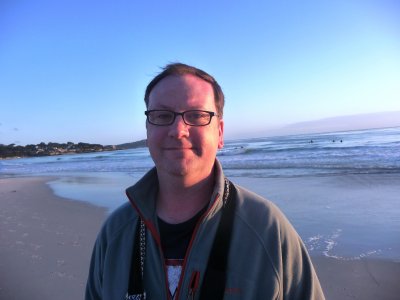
(189,232)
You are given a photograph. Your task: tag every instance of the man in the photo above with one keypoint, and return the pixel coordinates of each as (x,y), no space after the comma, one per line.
(188,233)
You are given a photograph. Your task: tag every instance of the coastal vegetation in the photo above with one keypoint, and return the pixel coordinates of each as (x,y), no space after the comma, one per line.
(49,149)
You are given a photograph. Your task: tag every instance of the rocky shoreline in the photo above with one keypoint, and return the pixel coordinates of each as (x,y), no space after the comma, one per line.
(51,149)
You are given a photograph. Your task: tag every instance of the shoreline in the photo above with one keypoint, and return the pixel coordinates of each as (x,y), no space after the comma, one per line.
(46,243)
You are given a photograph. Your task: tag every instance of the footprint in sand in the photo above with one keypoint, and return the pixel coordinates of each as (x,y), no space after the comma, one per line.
(36,257)
(60,262)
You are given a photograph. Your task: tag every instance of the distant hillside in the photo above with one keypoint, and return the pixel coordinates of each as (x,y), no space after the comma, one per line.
(343,123)
(50,149)
(137,144)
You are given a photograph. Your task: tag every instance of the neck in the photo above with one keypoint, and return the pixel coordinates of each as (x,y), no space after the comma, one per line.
(179,200)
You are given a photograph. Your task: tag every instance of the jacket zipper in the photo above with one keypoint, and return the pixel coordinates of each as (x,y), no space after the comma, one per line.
(190,248)
(194,284)
(153,232)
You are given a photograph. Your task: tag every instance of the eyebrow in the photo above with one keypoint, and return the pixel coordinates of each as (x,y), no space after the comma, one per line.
(165,107)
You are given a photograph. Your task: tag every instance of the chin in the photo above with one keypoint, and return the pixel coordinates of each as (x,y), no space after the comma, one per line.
(184,167)
(175,168)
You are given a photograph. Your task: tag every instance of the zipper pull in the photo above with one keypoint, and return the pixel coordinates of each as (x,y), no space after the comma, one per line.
(194,284)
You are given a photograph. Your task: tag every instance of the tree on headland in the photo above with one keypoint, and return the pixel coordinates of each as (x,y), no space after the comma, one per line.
(51,148)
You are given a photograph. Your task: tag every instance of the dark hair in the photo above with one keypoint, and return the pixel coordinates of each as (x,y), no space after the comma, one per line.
(182,69)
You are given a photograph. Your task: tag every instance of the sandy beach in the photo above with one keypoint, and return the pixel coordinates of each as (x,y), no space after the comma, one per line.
(46,242)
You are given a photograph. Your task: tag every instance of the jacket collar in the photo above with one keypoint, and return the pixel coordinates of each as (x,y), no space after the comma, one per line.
(143,194)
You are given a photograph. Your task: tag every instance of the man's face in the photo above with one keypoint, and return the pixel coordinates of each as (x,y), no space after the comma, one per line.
(179,149)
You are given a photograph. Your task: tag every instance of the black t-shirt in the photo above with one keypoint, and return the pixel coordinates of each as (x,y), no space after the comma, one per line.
(175,238)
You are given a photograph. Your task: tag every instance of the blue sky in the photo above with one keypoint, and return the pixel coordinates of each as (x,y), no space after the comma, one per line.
(76,70)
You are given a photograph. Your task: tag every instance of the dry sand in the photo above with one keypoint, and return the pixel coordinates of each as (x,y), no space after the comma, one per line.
(46,242)
(365,279)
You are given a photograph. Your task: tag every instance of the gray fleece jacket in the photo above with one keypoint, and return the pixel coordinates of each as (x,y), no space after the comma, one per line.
(267,259)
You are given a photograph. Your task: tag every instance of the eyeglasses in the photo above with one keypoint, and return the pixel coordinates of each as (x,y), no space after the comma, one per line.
(190,117)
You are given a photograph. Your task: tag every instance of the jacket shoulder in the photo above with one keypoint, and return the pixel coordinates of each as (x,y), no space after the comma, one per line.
(255,208)
(118,220)
(263,220)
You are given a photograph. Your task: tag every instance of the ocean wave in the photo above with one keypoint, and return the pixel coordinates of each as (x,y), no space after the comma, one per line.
(289,149)
(237,151)
(327,244)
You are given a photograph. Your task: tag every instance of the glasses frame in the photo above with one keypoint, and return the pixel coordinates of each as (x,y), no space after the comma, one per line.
(182,114)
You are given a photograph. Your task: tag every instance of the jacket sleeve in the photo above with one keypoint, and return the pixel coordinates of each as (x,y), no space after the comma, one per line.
(94,282)
(280,248)
(299,280)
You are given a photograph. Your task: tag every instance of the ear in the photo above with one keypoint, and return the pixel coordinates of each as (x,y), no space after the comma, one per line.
(147,133)
(221,134)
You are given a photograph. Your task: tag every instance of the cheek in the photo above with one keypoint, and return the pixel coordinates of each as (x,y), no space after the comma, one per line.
(153,139)
(209,142)
(155,132)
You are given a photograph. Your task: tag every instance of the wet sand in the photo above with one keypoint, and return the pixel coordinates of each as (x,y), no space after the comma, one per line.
(46,243)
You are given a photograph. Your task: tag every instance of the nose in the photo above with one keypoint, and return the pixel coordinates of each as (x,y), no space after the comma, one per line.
(178,129)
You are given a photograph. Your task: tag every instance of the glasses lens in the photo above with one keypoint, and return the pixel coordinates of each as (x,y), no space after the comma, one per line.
(197,117)
(161,117)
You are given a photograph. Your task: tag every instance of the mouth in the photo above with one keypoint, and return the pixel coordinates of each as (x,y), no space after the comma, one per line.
(178,148)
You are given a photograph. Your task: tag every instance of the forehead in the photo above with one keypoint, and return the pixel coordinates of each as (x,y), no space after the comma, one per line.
(178,90)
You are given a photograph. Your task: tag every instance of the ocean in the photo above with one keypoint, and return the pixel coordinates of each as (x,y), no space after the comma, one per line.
(349,191)
(375,151)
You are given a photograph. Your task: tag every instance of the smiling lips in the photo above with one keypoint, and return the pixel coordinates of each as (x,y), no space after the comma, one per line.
(177,148)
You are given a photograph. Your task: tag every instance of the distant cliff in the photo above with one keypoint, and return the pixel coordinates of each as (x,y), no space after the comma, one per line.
(49,149)
(138,144)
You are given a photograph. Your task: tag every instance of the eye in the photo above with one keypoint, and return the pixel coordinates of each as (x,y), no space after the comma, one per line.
(196,115)
(163,115)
